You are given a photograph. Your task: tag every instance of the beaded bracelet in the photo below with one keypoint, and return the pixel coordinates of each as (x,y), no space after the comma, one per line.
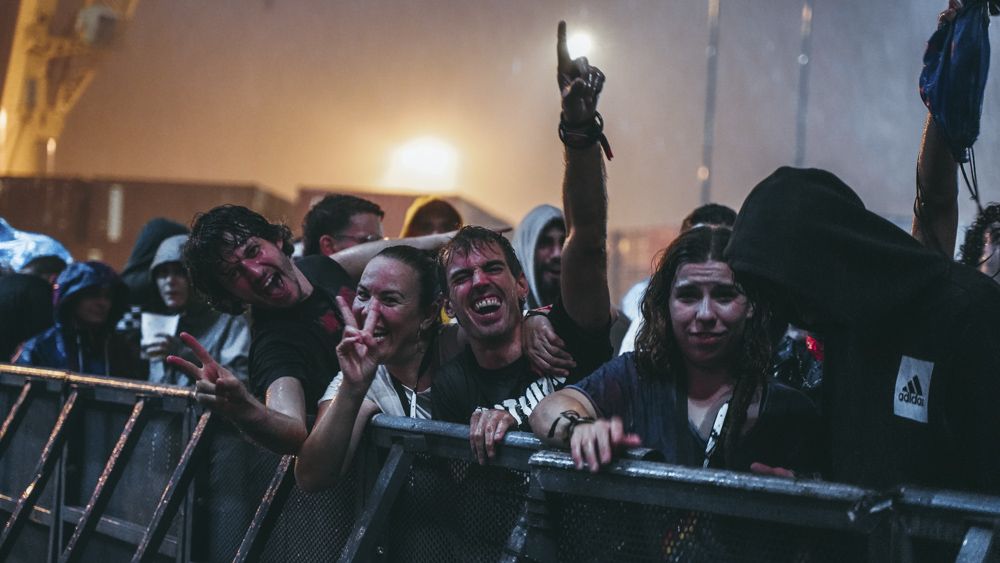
(574,419)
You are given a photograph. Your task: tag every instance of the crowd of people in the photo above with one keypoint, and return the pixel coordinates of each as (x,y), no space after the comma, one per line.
(803,337)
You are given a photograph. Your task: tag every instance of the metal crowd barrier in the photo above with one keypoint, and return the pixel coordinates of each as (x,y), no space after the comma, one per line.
(100,469)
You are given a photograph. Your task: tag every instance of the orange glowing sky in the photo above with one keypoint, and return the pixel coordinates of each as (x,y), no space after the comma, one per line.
(321,92)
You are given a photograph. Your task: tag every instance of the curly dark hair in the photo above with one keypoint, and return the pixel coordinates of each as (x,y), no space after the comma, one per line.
(330,216)
(470,238)
(657,353)
(215,235)
(971,253)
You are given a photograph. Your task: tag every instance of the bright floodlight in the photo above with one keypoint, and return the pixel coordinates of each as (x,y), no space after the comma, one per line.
(579,44)
(426,164)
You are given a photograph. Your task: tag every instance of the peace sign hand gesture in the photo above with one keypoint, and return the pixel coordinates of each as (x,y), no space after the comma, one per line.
(215,386)
(357,349)
(579,82)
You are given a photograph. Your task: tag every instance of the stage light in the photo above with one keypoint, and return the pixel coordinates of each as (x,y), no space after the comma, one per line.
(579,44)
(425,164)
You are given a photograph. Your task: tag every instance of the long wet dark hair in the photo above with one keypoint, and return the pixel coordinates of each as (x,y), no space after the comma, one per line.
(659,356)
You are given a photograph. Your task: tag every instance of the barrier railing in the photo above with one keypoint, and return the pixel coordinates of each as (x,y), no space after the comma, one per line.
(98,469)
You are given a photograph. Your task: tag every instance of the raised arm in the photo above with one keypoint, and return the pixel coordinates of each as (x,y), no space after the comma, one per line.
(279,426)
(327,452)
(355,258)
(935,209)
(584,279)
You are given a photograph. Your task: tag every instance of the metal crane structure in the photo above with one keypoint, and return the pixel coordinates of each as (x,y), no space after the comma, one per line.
(49,53)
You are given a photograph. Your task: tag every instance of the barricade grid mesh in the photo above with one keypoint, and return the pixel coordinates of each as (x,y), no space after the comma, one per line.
(26,442)
(454,510)
(313,526)
(600,530)
(227,493)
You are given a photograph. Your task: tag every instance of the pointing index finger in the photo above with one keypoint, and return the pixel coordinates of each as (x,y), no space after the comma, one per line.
(562,51)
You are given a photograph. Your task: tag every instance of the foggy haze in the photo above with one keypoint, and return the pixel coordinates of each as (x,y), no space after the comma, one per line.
(320,92)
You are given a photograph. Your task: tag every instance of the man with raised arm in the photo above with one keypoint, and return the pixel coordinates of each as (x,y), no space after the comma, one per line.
(237,259)
(490,384)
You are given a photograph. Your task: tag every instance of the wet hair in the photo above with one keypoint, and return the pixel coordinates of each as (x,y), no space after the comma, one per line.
(710,214)
(330,216)
(44,266)
(423,263)
(659,356)
(471,238)
(971,253)
(215,235)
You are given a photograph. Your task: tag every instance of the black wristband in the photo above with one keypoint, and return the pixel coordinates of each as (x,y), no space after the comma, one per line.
(586,135)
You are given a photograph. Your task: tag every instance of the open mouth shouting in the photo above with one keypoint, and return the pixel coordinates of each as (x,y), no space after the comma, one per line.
(486,306)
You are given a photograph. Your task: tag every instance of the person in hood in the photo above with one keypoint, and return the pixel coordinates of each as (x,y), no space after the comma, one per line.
(142,290)
(90,297)
(226,337)
(429,215)
(538,243)
(912,354)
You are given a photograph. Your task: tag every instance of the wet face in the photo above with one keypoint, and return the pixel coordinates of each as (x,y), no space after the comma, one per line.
(362,228)
(989,262)
(391,290)
(548,260)
(708,312)
(173,284)
(484,294)
(93,305)
(259,274)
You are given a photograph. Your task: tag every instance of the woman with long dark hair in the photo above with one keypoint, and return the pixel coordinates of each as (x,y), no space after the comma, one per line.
(696,388)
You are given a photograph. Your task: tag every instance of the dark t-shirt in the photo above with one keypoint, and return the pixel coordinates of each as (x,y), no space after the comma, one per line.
(784,435)
(301,341)
(462,385)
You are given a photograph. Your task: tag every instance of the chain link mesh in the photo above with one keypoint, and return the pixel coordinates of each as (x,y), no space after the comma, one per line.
(453,510)
(602,530)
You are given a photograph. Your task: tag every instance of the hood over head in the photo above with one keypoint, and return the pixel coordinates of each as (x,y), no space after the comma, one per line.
(170,250)
(804,237)
(142,292)
(526,239)
(79,276)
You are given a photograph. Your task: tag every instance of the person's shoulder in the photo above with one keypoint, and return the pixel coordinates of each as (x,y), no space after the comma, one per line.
(457,369)
(322,269)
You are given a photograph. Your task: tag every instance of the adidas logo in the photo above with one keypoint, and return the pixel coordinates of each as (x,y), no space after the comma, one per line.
(912,393)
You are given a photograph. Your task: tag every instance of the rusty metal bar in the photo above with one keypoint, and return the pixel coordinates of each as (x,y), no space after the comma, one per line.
(267,511)
(173,493)
(106,483)
(15,415)
(43,470)
(99,381)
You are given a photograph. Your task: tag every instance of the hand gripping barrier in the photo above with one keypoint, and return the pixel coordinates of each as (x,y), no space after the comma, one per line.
(102,469)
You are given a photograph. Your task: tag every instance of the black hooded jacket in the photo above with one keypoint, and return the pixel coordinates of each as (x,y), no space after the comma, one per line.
(142,290)
(912,350)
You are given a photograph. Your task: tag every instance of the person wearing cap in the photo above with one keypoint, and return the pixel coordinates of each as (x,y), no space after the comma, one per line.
(226,336)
